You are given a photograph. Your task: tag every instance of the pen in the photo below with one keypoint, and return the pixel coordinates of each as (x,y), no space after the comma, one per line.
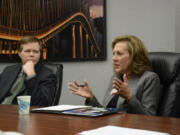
(80,85)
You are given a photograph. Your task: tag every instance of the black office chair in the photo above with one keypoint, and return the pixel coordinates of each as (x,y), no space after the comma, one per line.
(58,71)
(167,66)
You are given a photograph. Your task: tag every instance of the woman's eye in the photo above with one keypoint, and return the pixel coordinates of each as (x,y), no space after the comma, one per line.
(119,53)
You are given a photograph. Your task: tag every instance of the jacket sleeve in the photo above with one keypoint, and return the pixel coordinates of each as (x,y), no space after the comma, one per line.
(150,97)
(94,102)
(41,88)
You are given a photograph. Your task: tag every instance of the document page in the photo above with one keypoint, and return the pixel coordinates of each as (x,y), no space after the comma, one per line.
(60,107)
(78,110)
(115,130)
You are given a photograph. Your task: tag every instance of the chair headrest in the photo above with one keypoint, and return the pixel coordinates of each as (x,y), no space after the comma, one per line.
(166,65)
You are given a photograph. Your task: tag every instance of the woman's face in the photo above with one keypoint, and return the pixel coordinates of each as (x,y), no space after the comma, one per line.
(121,58)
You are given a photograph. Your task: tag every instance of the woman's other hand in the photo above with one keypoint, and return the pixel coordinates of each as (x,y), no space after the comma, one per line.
(122,88)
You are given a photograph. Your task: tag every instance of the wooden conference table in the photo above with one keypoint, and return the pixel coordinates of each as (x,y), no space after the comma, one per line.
(53,124)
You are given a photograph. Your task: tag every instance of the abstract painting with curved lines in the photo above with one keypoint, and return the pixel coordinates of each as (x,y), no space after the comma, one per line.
(70,30)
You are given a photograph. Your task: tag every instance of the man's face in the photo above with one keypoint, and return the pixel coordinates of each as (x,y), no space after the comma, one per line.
(30,52)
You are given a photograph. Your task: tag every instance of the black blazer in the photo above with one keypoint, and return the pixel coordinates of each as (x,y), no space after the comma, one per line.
(41,87)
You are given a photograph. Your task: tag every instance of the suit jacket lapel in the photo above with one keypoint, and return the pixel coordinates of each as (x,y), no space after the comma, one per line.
(23,88)
(120,102)
(107,99)
(13,72)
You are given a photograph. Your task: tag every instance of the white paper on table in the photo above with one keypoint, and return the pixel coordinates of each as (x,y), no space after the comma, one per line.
(61,107)
(114,130)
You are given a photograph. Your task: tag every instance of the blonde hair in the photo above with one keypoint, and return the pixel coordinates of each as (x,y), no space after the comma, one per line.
(29,39)
(139,57)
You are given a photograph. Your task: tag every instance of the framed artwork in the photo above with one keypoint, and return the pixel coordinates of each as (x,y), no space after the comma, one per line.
(70,30)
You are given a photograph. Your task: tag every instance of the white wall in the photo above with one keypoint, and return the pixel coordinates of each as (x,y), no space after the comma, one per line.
(177,25)
(156,22)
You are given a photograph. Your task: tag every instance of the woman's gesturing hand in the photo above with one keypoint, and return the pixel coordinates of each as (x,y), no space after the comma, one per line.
(84,91)
(122,88)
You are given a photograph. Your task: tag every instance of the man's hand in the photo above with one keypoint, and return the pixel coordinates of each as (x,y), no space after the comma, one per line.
(28,68)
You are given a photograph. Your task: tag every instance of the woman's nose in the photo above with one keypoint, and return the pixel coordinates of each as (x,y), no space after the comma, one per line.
(114,57)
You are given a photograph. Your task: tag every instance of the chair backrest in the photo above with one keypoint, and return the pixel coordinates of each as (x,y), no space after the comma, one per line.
(167,66)
(58,71)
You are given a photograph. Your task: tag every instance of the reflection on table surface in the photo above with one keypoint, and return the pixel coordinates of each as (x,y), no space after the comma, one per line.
(54,124)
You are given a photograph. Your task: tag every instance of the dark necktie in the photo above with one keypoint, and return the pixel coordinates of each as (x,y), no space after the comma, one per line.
(16,91)
(113,102)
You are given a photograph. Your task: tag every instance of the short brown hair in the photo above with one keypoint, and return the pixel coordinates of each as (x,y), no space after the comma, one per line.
(139,56)
(29,39)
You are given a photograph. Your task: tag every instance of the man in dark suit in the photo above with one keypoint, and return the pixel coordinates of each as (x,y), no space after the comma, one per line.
(39,83)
